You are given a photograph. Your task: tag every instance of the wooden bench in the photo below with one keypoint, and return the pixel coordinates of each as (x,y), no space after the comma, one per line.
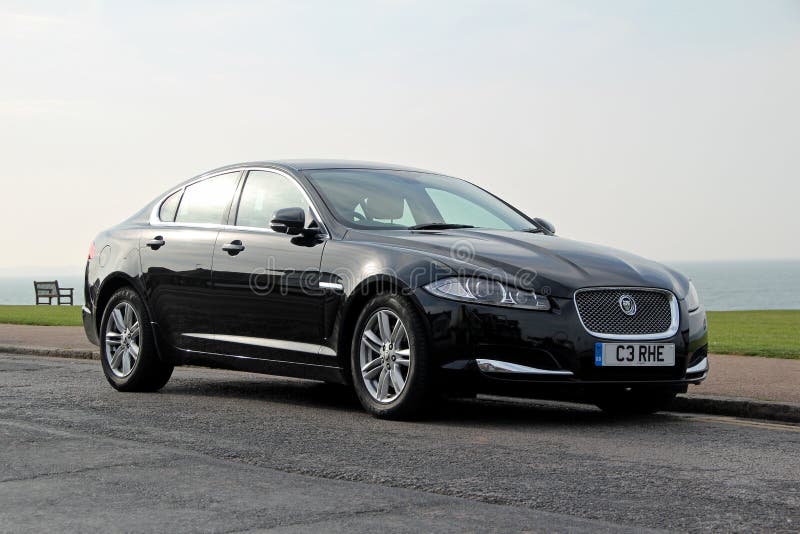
(50,291)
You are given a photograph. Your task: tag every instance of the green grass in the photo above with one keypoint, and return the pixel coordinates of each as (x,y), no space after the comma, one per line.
(42,315)
(771,333)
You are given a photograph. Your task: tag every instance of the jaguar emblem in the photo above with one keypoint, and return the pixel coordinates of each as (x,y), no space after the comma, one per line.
(627,305)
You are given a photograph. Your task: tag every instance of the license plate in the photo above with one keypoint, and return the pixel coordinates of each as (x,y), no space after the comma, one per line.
(634,354)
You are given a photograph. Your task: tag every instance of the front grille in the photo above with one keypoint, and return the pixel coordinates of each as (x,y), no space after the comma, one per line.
(601,313)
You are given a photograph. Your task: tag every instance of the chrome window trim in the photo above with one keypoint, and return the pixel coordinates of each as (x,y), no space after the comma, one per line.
(673,307)
(157,222)
(497,366)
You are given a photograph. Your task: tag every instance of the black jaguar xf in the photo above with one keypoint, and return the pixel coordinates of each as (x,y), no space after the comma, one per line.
(404,283)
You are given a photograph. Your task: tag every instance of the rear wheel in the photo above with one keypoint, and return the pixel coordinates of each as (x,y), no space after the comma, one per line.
(391,369)
(632,401)
(127,349)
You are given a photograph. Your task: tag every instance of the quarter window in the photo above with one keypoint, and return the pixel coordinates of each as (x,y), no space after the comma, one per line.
(169,207)
(263,194)
(207,201)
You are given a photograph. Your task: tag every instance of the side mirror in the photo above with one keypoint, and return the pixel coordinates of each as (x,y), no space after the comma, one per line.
(289,221)
(547,225)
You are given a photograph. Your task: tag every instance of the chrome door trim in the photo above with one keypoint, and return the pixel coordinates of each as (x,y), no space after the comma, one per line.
(238,357)
(295,346)
(673,307)
(497,366)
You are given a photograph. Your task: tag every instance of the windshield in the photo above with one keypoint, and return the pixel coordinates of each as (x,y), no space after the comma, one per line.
(385,199)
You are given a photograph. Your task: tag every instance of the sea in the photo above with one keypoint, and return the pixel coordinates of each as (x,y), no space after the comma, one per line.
(722,285)
(745,285)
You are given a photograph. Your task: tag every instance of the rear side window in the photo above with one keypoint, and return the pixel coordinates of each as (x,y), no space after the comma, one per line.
(263,194)
(206,201)
(170,207)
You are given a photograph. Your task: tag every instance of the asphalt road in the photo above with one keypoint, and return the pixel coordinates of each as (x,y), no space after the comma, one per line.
(231,452)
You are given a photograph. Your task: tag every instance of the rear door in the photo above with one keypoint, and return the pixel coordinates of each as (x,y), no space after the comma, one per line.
(266,296)
(176,253)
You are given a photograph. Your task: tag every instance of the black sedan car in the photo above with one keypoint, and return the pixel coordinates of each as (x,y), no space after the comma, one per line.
(404,283)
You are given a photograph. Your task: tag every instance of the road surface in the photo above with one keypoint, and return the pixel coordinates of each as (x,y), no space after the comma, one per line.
(232,452)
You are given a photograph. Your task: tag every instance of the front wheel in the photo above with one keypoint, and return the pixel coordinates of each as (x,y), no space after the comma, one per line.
(392,371)
(632,401)
(127,349)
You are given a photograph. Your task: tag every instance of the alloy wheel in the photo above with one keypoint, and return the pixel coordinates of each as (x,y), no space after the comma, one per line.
(385,356)
(122,338)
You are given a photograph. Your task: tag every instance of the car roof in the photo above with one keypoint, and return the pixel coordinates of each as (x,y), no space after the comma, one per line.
(318,164)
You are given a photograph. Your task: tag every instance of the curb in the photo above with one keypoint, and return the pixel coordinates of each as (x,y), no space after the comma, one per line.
(737,407)
(728,406)
(80,354)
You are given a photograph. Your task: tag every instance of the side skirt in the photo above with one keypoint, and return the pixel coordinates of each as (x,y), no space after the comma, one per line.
(308,371)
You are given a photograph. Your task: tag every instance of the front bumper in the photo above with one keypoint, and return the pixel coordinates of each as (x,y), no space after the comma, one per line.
(491,346)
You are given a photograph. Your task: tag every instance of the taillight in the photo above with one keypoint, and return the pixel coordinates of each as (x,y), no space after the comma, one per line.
(91,250)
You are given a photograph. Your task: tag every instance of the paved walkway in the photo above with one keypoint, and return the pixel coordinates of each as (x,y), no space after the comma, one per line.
(52,337)
(731,376)
(752,377)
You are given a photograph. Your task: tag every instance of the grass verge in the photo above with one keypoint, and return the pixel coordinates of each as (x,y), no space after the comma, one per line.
(42,315)
(770,333)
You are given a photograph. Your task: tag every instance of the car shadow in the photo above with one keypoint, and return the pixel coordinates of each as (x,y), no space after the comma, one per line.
(252,387)
(483,410)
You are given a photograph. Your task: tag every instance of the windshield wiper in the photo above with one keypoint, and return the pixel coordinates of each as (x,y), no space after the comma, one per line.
(439,226)
(533,230)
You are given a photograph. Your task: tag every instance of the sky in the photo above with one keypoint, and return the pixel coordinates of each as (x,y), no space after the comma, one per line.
(668,129)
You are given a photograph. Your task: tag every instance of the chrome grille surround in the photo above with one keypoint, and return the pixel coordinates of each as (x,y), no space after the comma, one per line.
(657,316)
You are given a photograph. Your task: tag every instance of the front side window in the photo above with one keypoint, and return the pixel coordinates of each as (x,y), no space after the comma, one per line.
(263,194)
(206,202)
(386,199)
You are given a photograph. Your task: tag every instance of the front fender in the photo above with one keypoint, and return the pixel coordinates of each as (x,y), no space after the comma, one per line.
(352,272)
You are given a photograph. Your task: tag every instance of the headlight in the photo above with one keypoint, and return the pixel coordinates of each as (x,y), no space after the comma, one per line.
(486,291)
(692,299)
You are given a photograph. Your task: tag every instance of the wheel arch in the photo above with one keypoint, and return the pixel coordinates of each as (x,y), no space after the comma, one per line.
(355,303)
(112,283)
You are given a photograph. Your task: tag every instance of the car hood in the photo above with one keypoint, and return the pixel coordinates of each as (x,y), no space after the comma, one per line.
(547,263)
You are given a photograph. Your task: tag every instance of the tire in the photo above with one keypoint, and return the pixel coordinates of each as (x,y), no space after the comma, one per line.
(138,367)
(417,394)
(634,401)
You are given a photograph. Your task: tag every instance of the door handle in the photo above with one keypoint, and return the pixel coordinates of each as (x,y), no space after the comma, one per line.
(156,243)
(233,248)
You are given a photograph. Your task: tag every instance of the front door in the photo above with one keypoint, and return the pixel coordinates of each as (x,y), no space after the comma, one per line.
(266,296)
